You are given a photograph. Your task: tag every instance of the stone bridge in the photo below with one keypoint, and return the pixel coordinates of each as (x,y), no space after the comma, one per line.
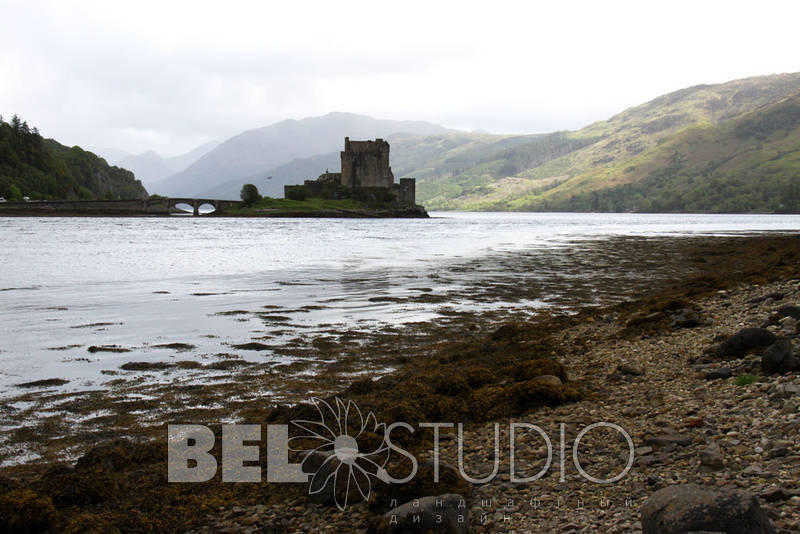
(143,206)
(170,204)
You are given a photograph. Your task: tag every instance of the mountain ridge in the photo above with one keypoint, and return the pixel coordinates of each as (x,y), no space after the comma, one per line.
(609,146)
(260,149)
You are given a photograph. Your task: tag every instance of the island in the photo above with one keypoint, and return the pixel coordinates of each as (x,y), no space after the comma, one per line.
(364,187)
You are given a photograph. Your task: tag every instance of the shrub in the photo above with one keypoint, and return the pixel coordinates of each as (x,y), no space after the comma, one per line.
(298,192)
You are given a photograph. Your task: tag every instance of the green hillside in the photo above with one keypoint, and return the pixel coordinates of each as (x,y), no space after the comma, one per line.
(647,158)
(44,169)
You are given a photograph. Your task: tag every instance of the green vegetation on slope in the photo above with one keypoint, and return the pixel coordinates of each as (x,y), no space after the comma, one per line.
(749,164)
(629,162)
(44,169)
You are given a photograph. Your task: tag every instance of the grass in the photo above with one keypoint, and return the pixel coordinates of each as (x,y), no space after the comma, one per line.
(743,380)
(310,204)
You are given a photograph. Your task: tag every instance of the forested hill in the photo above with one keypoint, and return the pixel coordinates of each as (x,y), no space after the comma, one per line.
(40,168)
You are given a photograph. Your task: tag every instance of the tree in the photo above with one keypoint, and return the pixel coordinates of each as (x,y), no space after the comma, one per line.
(14,193)
(249,194)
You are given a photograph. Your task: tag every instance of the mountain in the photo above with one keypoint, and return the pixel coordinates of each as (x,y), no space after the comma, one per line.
(181,161)
(636,159)
(256,152)
(148,166)
(111,155)
(40,168)
(411,156)
(748,164)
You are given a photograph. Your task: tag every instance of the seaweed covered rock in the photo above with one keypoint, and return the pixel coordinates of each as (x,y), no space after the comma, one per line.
(22,511)
(541,366)
(78,487)
(101,474)
(519,397)
(672,313)
(510,332)
(87,523)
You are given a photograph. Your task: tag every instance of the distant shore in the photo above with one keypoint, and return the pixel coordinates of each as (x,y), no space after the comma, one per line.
(139,208)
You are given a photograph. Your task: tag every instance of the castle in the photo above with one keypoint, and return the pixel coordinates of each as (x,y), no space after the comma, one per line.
(365,174)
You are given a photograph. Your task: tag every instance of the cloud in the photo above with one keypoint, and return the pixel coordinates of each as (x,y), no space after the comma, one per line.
(170,75)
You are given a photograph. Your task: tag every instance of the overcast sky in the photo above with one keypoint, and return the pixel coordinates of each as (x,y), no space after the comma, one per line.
(172,75)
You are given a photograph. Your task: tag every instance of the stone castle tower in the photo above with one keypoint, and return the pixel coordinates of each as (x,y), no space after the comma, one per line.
(366,164)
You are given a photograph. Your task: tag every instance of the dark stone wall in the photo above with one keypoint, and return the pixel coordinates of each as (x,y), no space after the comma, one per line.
(366,164)
(406,191)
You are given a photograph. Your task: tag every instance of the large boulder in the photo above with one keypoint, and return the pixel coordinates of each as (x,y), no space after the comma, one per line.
(779,358)
(788,311)
(445,514)
(745,341)
(449,481)
(692,508)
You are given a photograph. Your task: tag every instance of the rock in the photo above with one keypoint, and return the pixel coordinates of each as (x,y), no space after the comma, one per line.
(716,374)
(642,318)
(548,380)
(745,341)
(776,494)
(791,389)
(432,514)
(630,370)
(669,437)
(648,460)
(778,452)
(47,382)
(685,318)
(788,326)
(789,311)
(690,507)
(776,295)
(753,470)
(322,493)
(450,482)
(711,459)
(779,358)
(146,366)
(789,407)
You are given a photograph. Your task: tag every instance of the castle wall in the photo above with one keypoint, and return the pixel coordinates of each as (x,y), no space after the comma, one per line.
(406,192)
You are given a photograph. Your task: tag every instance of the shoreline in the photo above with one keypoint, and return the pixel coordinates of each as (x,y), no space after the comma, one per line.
(325,214)
(591,345)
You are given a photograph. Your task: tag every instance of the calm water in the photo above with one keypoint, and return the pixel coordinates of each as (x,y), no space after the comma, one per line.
(69,283)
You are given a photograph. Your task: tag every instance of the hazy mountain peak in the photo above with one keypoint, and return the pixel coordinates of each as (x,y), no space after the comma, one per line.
(260,149)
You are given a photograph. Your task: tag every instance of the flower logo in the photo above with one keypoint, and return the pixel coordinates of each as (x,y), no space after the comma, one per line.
(351,451)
